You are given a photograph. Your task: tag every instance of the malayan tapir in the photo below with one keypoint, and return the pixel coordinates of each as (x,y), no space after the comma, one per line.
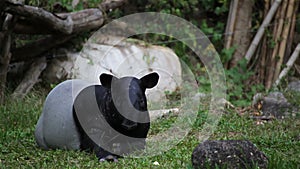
(109,119)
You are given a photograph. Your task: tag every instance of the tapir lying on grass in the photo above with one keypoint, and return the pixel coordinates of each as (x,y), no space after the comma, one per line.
(110,119)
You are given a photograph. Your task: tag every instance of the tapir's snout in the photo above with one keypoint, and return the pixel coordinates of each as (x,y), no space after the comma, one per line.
(128,124)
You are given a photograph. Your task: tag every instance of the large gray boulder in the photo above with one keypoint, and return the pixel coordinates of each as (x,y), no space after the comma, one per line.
(130,57)
(56,127)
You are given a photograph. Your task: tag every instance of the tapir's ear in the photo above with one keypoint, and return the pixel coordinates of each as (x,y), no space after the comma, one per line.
(106,79)
(150,80)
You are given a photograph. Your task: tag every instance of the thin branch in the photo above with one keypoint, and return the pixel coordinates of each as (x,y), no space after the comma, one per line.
(231,22)
(281,16)
(284,36)
(289,64)
(83,20)
(31,78)
(261,30)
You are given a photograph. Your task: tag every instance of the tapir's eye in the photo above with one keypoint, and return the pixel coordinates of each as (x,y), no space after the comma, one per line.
(142,103)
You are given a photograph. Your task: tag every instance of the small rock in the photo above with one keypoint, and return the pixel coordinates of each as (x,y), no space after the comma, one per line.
(256,99)
(275,104)
(155,163)
(232,154)
(156,114)
(294,86)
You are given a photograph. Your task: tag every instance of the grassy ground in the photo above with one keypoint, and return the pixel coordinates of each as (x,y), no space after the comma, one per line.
(279,140)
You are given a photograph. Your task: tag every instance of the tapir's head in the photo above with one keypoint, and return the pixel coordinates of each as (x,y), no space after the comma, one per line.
(128,99)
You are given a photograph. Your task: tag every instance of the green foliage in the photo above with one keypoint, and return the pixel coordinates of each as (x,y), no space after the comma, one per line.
(293,97)
(204,83)
(226,54)
(180,8)
(214,33)
(39,3)
(204,14)
(67,4)
(216,6)
(239,93)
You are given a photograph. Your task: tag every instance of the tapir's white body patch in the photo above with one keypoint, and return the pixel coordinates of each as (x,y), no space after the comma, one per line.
(56,127)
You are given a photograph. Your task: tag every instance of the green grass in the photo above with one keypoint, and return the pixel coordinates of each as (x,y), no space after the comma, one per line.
(279,140)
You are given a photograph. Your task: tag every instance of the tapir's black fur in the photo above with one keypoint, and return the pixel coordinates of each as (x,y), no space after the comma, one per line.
(108,109)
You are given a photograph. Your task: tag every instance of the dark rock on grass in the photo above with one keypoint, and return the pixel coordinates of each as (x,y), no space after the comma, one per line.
(233,154)
(294,86)
(276,105)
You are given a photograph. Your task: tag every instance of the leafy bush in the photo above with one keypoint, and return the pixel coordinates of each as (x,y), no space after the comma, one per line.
(239,93)
(68,5)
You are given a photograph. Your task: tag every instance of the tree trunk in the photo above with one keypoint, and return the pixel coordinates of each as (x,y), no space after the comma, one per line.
(285,35)
(241,38)
(263,53)
(231,23)
(273,52)
(7,22)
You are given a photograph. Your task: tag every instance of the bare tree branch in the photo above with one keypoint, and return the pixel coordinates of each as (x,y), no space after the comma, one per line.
(33,20)
(83,20)
(5,55)
(40,15)
(261,30)
(38,47)
(230,23)
(289,64)
(285,34)
(39,21)
(31,78)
